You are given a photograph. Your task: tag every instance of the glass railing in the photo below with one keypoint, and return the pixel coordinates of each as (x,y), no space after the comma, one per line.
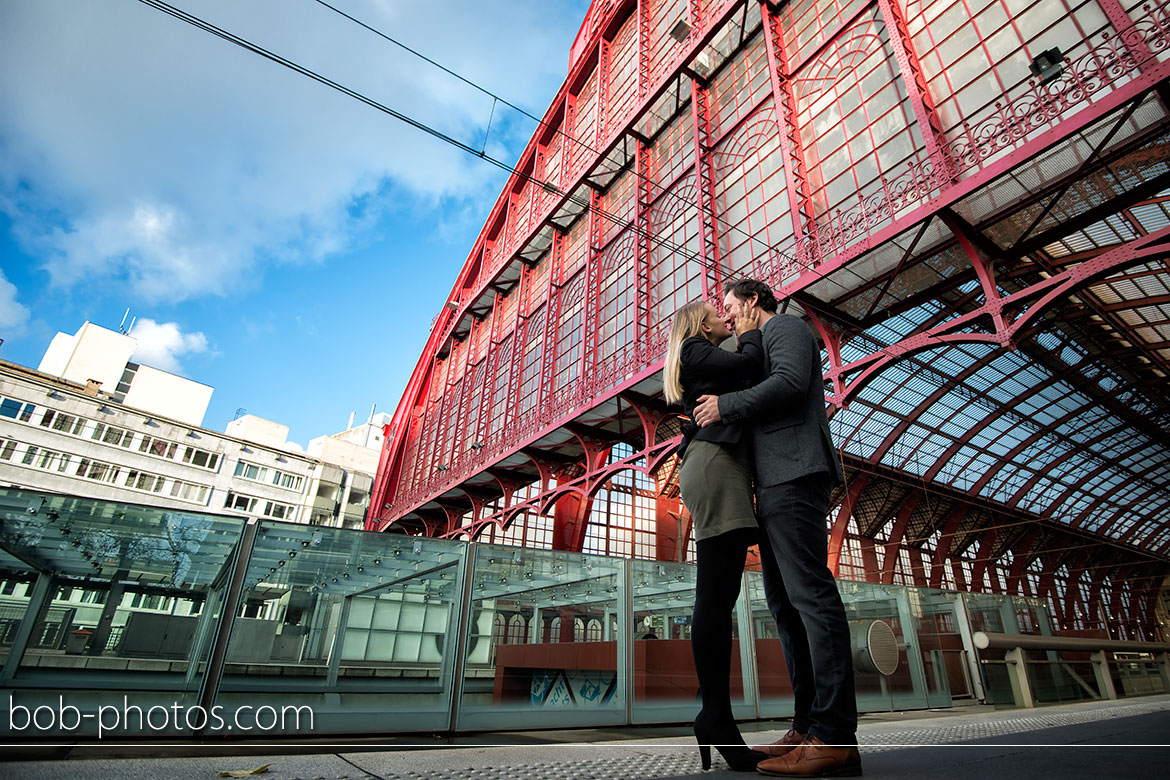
(116,609)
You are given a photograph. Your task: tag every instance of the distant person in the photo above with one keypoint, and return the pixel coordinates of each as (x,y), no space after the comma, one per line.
(716,485)
(796,469)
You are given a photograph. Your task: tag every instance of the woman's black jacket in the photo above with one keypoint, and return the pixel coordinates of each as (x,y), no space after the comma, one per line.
(705,369)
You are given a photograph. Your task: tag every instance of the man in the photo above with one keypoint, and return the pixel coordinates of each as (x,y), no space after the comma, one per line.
(796,468)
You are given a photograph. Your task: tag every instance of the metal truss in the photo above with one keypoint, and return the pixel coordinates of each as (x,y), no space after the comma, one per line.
(984,255)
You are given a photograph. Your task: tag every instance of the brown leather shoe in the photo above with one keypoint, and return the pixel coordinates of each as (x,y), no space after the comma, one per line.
(813,758)
(783,745)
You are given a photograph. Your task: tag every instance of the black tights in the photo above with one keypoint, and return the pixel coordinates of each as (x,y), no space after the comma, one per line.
(719,563)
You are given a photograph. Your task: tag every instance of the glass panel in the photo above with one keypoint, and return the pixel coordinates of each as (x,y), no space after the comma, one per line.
(354,624)
(897,607)
(124,605)
(130,580)
(565,672)
(902,686)
(16,585)
(774,687)
(944,657)
(665,687)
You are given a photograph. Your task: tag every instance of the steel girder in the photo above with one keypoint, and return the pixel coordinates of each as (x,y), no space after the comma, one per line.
(1016,243)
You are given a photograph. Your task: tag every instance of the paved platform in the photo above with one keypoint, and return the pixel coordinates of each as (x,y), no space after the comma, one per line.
(1095,739)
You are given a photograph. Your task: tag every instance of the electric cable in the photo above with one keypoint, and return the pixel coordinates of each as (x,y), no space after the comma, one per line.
(624,224)
(202,24)
(563,133)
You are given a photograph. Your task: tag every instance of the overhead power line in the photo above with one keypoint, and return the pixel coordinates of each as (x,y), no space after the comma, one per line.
(206,26)
(557,130)
(244,43)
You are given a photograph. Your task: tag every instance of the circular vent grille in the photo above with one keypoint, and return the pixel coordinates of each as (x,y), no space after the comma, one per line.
(882,647)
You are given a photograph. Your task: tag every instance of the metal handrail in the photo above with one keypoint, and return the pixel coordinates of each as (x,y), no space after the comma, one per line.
(984,640)
(1016,659)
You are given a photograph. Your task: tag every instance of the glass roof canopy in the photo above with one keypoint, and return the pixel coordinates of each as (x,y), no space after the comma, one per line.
(91,539)
(1070,426)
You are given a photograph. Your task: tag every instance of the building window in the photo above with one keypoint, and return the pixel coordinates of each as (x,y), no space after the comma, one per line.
(201,458)
(188,491)
(97,471)
(285,480)
(15,410)
(238,502)
(158,447)
(516,630)
(66,423)
(108,434)
(141,480)
(251,471)
(593,630)
(278,511)
(7,450)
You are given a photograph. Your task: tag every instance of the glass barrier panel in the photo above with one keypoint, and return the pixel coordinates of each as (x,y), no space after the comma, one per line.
(665,686)
(355,625)
(128,585)
(543,641)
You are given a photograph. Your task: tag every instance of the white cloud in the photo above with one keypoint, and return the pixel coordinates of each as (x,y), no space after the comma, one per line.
(13,315)
(136,150)
(162,344)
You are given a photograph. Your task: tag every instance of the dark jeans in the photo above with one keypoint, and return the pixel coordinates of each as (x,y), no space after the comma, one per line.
(803,598)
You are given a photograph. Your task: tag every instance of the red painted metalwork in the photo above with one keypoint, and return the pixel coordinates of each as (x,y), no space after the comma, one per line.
(985,257)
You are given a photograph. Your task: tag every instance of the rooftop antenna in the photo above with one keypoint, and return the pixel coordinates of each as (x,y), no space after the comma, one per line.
(240,412)
(122,327)
(372,407)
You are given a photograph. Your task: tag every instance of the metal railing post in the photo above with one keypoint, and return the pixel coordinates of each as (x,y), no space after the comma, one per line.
(209,688)
(1017,666)
(38,602)
(1104,678)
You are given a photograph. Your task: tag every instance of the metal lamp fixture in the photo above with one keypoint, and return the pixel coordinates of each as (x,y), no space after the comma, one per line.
(1048,65)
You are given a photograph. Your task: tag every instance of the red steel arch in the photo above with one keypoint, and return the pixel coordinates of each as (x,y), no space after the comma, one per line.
(984,254)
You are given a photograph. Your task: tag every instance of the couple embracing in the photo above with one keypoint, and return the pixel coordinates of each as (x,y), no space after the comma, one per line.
(758,466)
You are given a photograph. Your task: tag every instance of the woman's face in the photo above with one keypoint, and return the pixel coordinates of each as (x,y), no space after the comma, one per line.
(714,328)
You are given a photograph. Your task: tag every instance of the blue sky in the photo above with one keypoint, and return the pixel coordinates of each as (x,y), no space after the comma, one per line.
(277,240)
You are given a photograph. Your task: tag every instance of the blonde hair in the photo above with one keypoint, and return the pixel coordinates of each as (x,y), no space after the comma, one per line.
(688,321)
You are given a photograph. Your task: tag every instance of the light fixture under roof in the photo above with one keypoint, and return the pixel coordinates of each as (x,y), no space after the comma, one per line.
(681,31)
(1048,65)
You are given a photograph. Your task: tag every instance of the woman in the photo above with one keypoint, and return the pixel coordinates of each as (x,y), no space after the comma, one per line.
(716,485)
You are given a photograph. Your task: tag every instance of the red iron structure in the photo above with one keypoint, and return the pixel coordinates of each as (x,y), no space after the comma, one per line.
(966,199)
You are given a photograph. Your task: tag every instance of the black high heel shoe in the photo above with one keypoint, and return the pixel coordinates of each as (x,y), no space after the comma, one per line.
(725,737)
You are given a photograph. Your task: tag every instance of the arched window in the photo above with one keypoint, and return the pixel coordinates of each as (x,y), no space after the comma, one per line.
(593,630)
(516,630)
(554,630)
(499,630)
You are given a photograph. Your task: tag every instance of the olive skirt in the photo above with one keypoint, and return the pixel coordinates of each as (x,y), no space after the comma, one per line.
(716,485)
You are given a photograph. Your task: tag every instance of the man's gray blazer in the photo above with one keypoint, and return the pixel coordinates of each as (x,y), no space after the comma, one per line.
(786,412)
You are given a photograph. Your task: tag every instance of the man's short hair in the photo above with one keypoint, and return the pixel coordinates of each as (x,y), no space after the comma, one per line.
(746,288)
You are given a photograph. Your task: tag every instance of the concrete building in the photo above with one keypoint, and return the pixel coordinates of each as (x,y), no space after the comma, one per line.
(92,423)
